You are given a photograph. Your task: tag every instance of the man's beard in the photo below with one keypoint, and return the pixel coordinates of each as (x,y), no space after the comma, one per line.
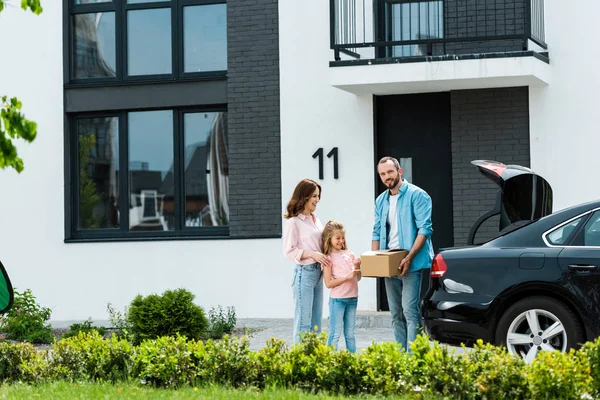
(394,183)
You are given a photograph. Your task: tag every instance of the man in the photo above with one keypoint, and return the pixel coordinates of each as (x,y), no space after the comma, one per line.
(403,220)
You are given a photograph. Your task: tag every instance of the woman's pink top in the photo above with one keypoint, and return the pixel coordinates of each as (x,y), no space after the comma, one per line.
(342,265)
(302,233)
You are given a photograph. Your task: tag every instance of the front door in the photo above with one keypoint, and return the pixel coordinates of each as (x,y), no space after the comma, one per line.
(416,130)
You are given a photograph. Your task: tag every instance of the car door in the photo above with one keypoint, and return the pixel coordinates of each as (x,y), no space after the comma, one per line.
(580,259)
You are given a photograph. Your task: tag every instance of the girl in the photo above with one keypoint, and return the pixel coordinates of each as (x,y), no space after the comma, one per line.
(302,246)
(342,278)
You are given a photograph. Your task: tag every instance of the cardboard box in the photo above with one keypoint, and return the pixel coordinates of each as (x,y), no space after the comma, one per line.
(382,263)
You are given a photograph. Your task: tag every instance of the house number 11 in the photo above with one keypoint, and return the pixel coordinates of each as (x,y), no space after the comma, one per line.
(333,153)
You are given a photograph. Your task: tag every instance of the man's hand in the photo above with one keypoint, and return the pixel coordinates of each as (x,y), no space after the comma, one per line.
(404,265)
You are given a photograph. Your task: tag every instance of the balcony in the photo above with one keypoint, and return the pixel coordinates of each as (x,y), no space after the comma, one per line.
(411,46)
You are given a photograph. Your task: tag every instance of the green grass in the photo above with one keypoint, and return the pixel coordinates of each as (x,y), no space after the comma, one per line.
(71,391)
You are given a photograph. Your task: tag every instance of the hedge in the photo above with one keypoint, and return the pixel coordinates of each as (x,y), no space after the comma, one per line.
(432,370)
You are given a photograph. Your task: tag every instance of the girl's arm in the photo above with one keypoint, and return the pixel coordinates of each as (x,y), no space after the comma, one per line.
(330,282)
(356,263)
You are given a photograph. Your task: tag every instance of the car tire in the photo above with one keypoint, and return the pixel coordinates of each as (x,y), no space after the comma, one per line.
(559,327)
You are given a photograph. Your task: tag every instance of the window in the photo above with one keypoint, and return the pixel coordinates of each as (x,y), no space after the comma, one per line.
(591,236)
(560,236)
(151,173)
(135,39)
(414,20)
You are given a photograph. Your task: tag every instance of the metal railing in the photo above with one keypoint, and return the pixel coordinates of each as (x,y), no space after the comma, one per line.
(403,28)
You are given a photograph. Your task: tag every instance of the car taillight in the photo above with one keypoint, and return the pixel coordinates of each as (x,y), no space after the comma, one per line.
(438,267)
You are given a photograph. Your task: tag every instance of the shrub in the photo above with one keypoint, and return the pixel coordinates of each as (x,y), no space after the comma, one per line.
(388,369)
(555,375)
(499,374)
(89,356)
(85,326)
(229,362)
(591,350)
(172,313)
(220,323)
(165,362)
(27,320)
(21,362)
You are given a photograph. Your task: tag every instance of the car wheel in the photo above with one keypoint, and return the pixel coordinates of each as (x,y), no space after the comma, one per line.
(538,323)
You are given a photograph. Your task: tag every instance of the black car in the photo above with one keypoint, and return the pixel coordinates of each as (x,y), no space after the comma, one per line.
(535,286)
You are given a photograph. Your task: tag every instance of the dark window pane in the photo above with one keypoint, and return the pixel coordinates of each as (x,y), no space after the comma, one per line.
(562,234)
(98,149)
(94,45)
(416,21)
(151,180)
(144,1)
(91,1)
(149,42)
(592,231)
(206,170)
(205,38)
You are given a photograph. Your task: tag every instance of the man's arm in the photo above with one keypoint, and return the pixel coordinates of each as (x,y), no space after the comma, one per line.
(422,212)
(376,230)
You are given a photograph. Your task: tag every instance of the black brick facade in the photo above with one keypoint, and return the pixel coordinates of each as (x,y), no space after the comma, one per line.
(253,118)
(488,124)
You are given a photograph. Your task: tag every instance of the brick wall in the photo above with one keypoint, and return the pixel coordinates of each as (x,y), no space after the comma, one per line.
(477,18)
(253,118)
(486,124)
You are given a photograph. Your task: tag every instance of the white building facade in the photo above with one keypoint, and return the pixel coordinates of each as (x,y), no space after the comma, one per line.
(171,134)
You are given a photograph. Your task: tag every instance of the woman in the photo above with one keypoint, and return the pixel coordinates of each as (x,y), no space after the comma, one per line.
(302,246)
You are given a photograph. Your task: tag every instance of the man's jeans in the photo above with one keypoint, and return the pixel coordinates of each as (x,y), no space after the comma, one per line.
(308,298)
(404,294)
(343,311)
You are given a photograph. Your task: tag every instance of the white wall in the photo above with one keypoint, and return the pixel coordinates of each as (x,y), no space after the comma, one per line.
(313,115)
(78,280)
(565,133)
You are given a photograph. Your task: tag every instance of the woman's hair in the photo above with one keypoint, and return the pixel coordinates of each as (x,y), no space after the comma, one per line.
(330,228)
(302,193)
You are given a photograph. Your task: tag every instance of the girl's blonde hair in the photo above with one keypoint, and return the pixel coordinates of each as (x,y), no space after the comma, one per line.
(328,232)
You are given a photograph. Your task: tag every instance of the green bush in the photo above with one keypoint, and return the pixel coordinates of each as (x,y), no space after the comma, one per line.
(229,362)
(85,326)
(221,323)
(91,357)
(172,313)
(167,362)
(21,362)
(555,375)
(388,370)
(591,350)
(27,320)
(499,374)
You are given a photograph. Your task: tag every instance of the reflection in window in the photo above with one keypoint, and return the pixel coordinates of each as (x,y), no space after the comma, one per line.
(143,1)
(98,150)
(94,45)
(91,1)
(205,38)
(592,231)
(206,169)
(561,235)
(415,21)
(149,42)
(152,205)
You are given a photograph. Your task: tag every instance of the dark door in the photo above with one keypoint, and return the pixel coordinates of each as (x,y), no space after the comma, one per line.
(416,130)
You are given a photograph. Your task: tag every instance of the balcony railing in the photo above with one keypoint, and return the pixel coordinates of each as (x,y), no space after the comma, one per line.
(372,29)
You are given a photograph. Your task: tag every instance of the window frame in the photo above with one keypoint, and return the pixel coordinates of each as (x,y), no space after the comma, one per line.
(121,8)
(180,231)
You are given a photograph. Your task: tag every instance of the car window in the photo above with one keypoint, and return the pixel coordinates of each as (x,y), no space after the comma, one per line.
(591,236)
(560,235)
